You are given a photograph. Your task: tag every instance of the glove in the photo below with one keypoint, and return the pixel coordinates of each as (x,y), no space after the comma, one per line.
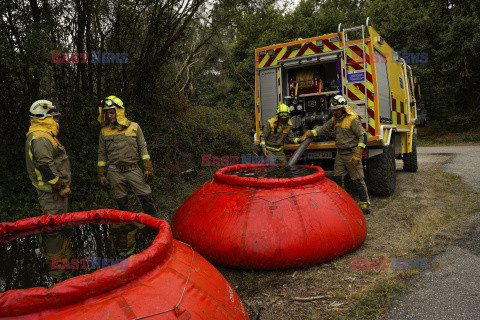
(101,176)
(306,135)
(59,185)
(65,193)
(265,153)
(357,157)
(148,173)
(62,188)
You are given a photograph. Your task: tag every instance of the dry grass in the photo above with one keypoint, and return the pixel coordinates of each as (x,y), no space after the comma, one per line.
(429,209)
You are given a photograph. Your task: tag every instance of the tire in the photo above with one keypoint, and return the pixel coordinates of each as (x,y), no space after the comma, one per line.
(410,163)
(381,172)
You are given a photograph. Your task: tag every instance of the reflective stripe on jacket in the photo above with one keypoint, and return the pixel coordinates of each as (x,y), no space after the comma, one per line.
(122,146)
(41,148)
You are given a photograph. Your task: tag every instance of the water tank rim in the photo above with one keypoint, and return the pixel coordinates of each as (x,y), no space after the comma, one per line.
(222,176)
(73,290)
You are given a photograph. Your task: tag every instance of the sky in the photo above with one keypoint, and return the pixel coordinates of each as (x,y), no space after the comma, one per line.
(291,4)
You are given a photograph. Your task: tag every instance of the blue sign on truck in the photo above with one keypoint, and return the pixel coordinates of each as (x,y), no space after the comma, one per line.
(357,76)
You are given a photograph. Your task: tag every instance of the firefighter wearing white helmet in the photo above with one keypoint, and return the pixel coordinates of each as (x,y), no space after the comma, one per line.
(47,163)
(351,140)
(276,133)
(121,145)
(48,167)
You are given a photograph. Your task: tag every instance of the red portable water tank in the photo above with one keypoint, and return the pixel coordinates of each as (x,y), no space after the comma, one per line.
(166,281)
(252,223)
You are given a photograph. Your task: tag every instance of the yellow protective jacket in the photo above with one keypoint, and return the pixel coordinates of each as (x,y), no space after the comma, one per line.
(275,135)
(347,129)
(45,156)
(121,145)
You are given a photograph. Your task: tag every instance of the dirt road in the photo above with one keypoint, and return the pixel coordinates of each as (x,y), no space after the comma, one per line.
(451,291)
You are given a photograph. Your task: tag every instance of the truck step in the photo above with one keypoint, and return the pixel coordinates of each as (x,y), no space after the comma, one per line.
(353,29)
(356,71)
(353,44)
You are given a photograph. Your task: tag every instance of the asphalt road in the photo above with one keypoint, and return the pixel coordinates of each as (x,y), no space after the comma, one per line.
(451,291)
(463,161)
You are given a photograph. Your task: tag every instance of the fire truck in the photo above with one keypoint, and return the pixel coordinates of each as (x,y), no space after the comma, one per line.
(357,63)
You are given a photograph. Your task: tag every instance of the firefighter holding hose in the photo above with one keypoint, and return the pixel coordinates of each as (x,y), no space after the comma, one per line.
(121,145)
(277,132)
(351,140)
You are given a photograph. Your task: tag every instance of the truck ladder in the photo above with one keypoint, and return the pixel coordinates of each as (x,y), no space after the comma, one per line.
(345,81)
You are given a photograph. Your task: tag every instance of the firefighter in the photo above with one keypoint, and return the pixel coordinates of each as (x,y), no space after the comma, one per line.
(48,167)
(277,132)
(351,140)
(47,163)
(122,145)
(56,247)
(123,238)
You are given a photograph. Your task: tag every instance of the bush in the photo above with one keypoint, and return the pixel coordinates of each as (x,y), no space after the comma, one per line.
(176,140)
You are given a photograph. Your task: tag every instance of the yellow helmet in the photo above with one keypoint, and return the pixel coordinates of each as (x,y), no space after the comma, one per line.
(111,102)
(283,111)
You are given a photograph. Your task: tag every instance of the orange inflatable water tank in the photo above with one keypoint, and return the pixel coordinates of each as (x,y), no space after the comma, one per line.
(252,223)
(168,280)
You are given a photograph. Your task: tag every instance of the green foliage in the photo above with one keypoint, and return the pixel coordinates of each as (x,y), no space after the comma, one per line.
(446,31)
(189,81)
(471,138)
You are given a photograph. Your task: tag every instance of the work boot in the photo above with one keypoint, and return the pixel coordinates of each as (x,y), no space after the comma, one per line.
(338,180)
(147,204)
(365,206)
(123,203)
(363,195)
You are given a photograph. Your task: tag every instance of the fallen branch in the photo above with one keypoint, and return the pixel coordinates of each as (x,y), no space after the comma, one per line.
(307,298)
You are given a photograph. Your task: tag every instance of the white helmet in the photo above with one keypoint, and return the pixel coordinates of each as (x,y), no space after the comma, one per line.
(42,109)
(337,102)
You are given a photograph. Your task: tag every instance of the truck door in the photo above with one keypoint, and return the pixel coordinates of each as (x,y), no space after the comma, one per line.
(268,94)
(384,99)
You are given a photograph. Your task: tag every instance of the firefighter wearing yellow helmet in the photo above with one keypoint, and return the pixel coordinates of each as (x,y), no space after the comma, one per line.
(47,162)
(121,145)
(276,133)
(351,140)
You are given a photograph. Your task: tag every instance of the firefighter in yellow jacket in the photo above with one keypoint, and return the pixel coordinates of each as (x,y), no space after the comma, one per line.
(351,140)
(48,167)
(121,145)
(47,163)
(276,133)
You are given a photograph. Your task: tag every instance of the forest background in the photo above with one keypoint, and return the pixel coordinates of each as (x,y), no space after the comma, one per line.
(189,77)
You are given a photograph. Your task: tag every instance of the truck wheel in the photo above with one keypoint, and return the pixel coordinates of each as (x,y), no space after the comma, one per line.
(381,172)
(410,159)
